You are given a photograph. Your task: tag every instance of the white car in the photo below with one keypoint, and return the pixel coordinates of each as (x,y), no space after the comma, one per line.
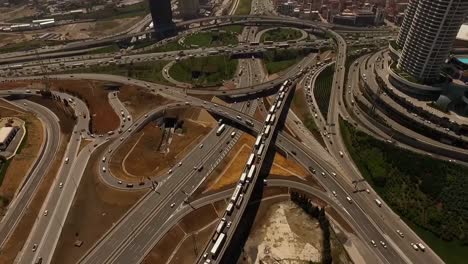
(383,244)
(61,185)
(46,212)
(334,193)
(172,205)
(373,243)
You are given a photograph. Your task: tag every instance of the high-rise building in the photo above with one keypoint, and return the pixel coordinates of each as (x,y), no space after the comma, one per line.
(430,38)
(161,13)
(405,26)
(189,8)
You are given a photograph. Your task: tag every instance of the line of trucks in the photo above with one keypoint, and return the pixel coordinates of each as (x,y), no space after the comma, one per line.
(247,175)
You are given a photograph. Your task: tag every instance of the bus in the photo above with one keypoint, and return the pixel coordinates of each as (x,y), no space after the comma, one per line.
(251,160)
(260,149)
(251,173)
(267,130)
(283,45)
(219,242)
(220,129)
(268,42)
(254,43)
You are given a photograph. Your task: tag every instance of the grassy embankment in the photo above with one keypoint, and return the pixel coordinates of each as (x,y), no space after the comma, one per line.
(281,34)
(211,39)
(146,71)
(279,60)
(205,71)
(429,194)
(322,89)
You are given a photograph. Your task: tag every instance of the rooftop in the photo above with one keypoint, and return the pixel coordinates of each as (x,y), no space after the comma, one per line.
(463,32)
(4,133)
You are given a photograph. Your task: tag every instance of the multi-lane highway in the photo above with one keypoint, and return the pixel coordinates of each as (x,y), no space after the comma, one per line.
(133,236)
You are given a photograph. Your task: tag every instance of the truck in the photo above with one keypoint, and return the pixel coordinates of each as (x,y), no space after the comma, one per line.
(260,149)
(251,173)
(278,104)
(236,193)
(243,177)
(219,242)
(258,141)
(272,109)
(272,118)
(220,129)
(229,208)
(378,202)
(220,226)
(267,120)
(251,160)
(267,130)
(239,201)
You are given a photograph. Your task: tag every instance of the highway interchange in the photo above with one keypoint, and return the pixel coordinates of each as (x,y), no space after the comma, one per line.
(147,221)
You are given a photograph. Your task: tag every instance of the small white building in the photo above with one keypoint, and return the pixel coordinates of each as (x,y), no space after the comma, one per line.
(6,136)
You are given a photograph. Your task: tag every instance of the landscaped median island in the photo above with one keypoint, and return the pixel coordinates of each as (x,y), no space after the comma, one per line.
(281,34)
(204,71)
(147,71)
(244,7)
(429,194)
(211,39)
(322,88)
(279,60)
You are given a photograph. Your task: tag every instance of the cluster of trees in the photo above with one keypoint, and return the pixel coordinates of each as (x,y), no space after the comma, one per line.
(319,213)
(431,193)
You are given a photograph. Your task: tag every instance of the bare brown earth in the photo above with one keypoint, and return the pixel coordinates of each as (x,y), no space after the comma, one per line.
(93,93)
(22,161)
(139,157)
(139,101)
(229,171)
(22,230)
(191,235)
(95,209)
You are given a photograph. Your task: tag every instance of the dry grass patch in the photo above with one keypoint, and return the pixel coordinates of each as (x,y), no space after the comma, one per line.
(94,203)
(140,156)
(139,101)
(22,161)
(94,93)
(229,171)
(163,250)
(22,230)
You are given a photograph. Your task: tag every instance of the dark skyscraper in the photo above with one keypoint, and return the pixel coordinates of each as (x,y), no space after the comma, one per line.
(162,17)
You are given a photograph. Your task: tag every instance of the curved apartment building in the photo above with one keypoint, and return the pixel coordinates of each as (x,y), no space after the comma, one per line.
(406,25)
(430,38)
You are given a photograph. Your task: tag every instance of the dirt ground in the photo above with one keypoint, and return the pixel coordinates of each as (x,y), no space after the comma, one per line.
(283,232)
(229,171)
(21,233)
(16,12)
(190,235)
(22,161)
(94,29)
(138,101)
(94,93)
(94,203)
(139,156)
